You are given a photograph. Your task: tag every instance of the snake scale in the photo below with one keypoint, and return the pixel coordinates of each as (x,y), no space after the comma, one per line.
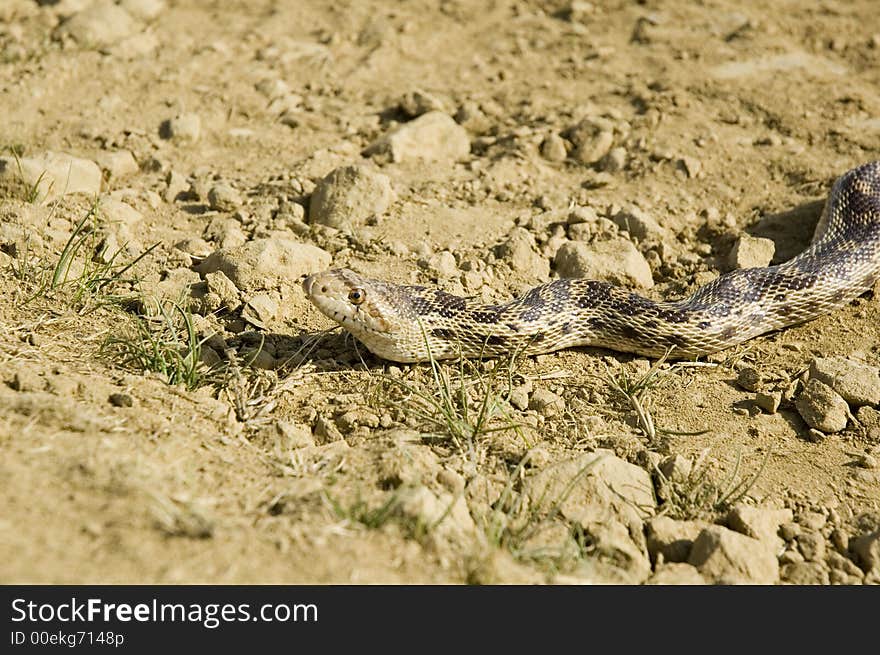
(407,323)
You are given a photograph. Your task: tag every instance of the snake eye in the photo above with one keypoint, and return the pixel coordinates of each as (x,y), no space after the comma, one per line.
(357,296)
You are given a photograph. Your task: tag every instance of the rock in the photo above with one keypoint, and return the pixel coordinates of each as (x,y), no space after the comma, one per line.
(145,10)
(116,211)
(260,310)
(100,25)
(442,264)
(768,401)
(812,546)
(638,224)
(690,165)
(182,128)
(804,573)
(546,403)
(616,261)
(822,408)
(857,383)
(224,198)
(223,288)
(120,400)
(592,139)
(676,573)
(262,263)
(226,232)
(442,514)
(751,252)
(326,431)
(176,184)
(521,252)
(671,539)
(867,548)
(500,567)
(51,175)
(749,378)
(727,557)
(519,396)
(433,136)
(349,195)
(136,45)
(194,247)
(869,418)
(614,161)
(676,468)
(292,435)
(851,573)
(118,164)
(553,148)
(607,497)
(418,102)
(177,284)
(759,523)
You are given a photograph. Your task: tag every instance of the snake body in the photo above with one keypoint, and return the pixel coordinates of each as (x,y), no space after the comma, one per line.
(408,323)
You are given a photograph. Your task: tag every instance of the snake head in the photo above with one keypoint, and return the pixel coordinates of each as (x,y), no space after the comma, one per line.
(369,309)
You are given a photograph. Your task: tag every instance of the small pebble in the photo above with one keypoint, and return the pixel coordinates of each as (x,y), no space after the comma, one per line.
(553,148)
(749,378)
(184,127)
(120,400)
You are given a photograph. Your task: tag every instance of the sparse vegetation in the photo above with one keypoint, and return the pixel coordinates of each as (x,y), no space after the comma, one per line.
(698,493)
(463,402)
(166,344)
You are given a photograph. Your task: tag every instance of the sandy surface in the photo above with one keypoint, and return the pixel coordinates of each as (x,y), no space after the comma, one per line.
(728,119)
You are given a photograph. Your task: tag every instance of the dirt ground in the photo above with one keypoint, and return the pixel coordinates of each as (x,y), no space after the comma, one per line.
(309,463)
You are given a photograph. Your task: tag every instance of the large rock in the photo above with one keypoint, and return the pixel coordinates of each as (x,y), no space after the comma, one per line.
(822,408)
(615,260)
(51,175)
(727,557)
(607,497)
(867,547)
(760,523)
(262,263)
(433,136)
(349,195)
(857,383)
(670,539)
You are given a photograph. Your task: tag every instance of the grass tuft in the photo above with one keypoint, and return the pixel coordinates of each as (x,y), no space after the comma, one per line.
(698,495)
(463,403)
(167,344)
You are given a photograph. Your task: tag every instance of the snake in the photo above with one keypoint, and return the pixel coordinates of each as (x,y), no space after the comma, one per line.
(414,323)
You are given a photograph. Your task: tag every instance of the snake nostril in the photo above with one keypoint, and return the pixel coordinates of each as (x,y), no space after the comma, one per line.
(324,289)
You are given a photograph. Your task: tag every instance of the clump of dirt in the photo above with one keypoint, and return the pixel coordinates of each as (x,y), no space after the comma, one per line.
(172,411)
